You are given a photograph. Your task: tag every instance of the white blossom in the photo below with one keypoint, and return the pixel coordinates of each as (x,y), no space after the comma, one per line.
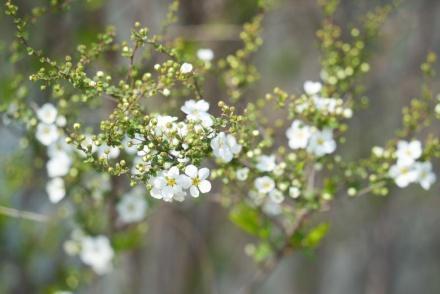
(242,174)
(298,134)
(403,175)
(55,190)
(264,184)
(225,146)
(47,113)
(326,105)
(312,88)
(321,142)
(166,92)
(199,182)
(266,163)
(112,152)
(408,152)
(294,192)
(425,175)
(168,184)
(46,133)
(132,207)
(58,165)
(165,124)
(271,208)
(98,253)
(198,111)
(61,121)
(205,54)
(186,68)
(276,196)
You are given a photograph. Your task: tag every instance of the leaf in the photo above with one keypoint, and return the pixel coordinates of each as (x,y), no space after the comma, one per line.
(315,236)
(250,220)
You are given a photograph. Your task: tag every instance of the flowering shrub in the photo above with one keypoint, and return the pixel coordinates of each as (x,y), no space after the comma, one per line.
(114,173)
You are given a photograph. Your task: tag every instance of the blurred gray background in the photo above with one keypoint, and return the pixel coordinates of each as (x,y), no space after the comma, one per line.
(375,245)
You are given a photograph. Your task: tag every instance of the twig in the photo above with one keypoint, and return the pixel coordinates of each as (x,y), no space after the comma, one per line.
(27,215)
(268,267)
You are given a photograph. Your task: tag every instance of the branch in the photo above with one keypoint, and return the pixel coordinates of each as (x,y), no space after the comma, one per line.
(27,215)
(268,267)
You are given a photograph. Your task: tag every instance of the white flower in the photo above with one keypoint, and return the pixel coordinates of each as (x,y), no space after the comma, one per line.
(403,175)
(166,92)
(271,208)
(408,152)
(348,113)
(58,147)
(197,111)
(129,145)
(294,192)
(47,113)
(276,196)
(242,174)
(140,166)
(181,129)
(61,121)
(266,163)
(225,147)
(132,207)
(378,151)
(326,105)
(198,180)
(165,124)
(321,142)
(168,184)
(425,176)
(86,143)
(46,134)
(186,68)
(264,184)
(312,88)
(58,165)
(104,150)
(298,134)
(56,190)
(205,54)
(98,253)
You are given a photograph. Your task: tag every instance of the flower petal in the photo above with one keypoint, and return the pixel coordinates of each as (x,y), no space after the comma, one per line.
(203,173)
(194,191)
(205,186)
(191,171)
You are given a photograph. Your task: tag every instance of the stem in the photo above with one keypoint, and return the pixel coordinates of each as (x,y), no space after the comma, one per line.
(266,269)
(27,215)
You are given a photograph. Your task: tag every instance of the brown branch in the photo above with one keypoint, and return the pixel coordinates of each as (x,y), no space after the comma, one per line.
(266,269)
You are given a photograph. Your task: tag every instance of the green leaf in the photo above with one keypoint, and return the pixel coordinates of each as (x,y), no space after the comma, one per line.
(250,220)
(315,236)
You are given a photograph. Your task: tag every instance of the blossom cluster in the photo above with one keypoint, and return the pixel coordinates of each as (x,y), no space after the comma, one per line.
(409,168)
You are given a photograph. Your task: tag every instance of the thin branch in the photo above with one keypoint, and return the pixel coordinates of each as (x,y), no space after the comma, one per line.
(27,215)
(268,267)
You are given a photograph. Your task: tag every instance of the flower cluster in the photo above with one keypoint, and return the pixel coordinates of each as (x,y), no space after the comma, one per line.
(94,251)
(317,142)
(49,132)
(408,168)
(170,185)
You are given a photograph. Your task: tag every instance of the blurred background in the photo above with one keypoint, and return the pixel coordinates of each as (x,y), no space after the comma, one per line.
(376,245)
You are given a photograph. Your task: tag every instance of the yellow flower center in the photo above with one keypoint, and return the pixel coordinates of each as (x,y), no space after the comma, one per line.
(171,181)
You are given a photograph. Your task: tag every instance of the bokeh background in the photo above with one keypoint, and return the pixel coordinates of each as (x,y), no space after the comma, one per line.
(376,245)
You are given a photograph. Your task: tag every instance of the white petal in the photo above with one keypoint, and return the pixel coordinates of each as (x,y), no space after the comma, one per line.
(203,173)
(194,191)
(191,171)
(205,186)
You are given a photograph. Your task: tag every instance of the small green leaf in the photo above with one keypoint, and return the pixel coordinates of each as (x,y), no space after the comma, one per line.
(250,220)
(315,236)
